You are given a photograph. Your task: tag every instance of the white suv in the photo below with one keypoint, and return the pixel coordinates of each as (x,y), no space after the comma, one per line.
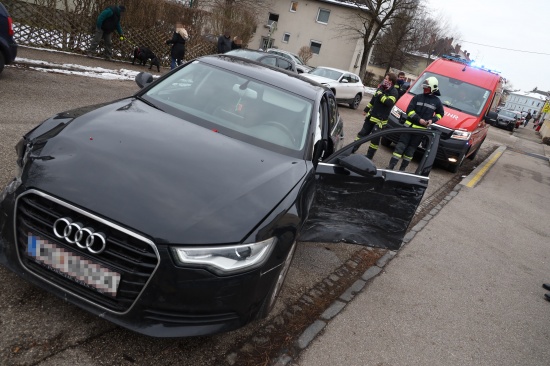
(300,64)
(347,87)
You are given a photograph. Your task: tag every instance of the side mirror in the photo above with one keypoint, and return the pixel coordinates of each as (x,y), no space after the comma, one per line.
(359,164)
(344,81)
(143,79)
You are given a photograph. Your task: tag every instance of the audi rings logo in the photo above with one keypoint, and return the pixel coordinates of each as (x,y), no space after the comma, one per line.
(83,237)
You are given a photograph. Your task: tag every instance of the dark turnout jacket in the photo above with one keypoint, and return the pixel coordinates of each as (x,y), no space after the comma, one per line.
(424,106)
(380,105)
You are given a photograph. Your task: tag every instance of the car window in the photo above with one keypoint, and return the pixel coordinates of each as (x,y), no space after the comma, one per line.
(457,94)
(284,64)
(268,60)
(242,108)
(332,113)
(327,73)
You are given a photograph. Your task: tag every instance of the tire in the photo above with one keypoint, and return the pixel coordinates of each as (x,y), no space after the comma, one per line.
(356,101)
(271,298)
(2,62)
(453,168)
(385,142)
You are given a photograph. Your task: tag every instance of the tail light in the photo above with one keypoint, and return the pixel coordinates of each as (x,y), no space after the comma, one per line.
(10,27)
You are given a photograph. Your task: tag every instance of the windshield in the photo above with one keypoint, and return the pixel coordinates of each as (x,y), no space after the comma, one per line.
(239,107)
(457,94)
(508,114)
(327,73)
(252,55)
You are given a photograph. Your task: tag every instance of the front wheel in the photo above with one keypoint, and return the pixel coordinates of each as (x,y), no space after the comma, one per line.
(2,61)
(356,101)
(454,167)
(271,298)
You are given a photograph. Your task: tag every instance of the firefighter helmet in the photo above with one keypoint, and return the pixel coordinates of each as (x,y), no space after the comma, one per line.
(431,83)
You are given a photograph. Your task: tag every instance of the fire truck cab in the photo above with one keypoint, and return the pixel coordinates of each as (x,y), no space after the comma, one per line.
(470,96)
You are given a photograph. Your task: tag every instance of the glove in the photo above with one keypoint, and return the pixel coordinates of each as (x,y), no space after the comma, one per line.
(121,38)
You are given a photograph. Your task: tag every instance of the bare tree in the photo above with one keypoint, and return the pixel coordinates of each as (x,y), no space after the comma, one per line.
(305,53)
(372,17)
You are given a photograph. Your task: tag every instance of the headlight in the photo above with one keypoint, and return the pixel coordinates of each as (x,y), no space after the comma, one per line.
(227,259)
(396,112)
(461,135)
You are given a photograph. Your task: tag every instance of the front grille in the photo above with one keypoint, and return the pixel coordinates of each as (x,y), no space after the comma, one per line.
(129,254)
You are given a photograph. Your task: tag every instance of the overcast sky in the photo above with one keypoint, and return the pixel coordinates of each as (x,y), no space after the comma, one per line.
(520,30)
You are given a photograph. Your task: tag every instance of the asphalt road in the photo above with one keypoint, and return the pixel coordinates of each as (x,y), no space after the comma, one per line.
(40,329)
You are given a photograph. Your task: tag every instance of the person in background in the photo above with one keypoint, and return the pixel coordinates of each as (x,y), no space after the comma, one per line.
(401,84)
(224,42)
(236,43)
(107,22)
(423,110)
(177,52)
(527,119)
(377,112)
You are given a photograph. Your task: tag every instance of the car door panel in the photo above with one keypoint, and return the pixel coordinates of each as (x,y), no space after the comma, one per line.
(367,209)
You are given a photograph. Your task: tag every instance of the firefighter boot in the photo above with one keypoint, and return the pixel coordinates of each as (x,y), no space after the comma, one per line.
(404,165)
(370,153)
(392,163)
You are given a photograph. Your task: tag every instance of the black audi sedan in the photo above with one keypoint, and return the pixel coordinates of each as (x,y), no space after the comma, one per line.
(177,211)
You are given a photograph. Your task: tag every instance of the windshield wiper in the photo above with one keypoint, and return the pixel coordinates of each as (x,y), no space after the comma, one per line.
(147,102)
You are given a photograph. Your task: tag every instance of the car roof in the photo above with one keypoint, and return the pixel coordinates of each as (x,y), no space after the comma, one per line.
(292,81)
(335,69)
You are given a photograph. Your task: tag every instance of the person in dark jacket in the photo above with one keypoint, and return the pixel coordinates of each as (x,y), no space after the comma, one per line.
(402,85)
(527,119)
(177,52)
(377,112)
(423,110)
(107,22)
(224,42)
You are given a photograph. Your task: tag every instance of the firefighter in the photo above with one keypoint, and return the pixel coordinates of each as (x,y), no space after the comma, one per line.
(377,112)
(423,110)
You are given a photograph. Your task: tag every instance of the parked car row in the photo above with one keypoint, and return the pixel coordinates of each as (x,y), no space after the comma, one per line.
(508,119)
(346,86)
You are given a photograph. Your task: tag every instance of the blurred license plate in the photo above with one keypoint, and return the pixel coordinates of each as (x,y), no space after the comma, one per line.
(70,265)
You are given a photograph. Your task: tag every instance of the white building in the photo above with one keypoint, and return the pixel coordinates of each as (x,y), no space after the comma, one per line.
(525,102)
(290,25)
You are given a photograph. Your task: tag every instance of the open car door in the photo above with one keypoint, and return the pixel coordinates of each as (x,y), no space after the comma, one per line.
(357,202)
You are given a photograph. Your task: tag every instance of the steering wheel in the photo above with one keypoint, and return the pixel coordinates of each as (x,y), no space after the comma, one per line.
(283,128)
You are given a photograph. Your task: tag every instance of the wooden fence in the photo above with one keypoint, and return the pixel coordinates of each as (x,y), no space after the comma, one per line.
(45,25)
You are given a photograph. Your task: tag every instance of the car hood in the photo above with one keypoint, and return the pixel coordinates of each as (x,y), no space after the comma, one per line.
(320,79)
(159,175)
(457,120)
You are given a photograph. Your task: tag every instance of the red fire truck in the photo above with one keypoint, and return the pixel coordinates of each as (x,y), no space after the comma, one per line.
(470,97)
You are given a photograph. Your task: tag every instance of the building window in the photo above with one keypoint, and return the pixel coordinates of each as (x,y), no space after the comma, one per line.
(322,16)
(286,37)
(266,43)
(293,6)
(272,18)
(315,47)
